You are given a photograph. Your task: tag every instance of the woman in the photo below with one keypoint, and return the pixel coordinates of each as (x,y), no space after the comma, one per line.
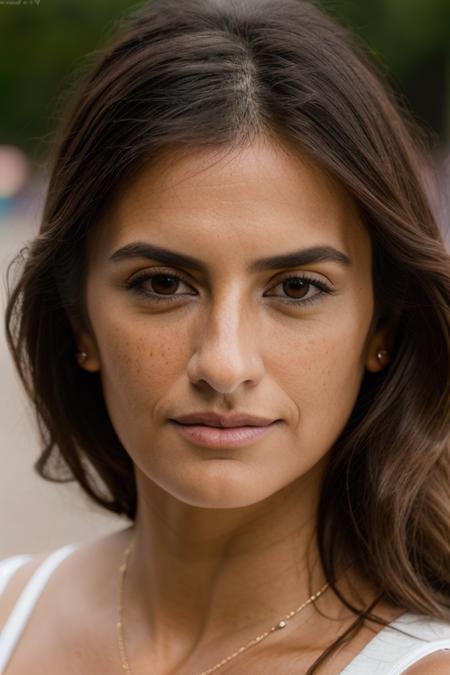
(234,325)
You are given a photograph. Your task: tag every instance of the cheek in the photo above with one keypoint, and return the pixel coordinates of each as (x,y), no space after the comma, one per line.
(320,366)
(139,363)
(328,390)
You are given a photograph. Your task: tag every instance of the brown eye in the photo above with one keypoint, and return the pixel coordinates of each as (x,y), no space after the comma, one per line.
(159,286)
(164,284)
(297,287)
(301,290)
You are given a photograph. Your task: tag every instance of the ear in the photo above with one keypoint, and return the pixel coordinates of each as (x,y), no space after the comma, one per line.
(380,348)
(87,345)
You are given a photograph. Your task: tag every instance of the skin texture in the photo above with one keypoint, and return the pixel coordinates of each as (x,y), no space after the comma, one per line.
(224,535)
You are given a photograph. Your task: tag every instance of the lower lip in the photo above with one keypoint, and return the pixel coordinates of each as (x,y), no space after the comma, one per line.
(215,437)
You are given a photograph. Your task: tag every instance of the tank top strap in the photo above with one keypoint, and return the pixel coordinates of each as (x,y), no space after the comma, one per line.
(392,652)
(9,566)
(23,608)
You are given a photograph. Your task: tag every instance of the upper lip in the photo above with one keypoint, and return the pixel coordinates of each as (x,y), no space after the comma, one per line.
(216,420)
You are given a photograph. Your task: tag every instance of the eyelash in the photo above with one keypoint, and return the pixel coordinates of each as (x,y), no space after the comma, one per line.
(135,285)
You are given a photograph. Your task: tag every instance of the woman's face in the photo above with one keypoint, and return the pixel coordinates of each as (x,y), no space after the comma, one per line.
(289,342)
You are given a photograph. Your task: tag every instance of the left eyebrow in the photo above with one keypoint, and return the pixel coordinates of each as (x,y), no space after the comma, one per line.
(306,256)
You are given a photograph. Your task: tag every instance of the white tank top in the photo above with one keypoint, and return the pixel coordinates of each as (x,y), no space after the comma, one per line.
(388,653)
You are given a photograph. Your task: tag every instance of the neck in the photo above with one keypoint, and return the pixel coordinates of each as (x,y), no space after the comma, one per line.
(206,574)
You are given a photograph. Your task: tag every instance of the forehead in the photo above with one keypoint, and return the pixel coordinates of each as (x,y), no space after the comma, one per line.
(260,197)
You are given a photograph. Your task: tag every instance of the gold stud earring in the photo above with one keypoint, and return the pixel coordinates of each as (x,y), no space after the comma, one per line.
(81,356)
(382,354)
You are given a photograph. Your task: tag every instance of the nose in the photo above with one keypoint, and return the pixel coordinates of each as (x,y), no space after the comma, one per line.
(226,352)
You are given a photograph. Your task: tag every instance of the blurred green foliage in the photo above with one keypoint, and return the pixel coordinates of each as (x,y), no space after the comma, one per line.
(410,42)
(43,48)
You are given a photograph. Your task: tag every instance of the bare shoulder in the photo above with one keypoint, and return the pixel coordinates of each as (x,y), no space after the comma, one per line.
(72,624)
(437,663)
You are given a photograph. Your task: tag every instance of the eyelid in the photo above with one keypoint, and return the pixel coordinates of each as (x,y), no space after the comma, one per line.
(150,271)
(322,279)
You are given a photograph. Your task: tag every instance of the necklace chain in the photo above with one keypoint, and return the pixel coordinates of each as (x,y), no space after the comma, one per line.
(259,638)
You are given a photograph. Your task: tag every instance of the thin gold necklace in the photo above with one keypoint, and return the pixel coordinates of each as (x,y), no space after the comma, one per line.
(259,638)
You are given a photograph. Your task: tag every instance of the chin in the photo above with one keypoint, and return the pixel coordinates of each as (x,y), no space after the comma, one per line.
(218,488)
(226,502)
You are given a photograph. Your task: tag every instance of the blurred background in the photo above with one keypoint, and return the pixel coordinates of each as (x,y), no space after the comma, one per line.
(44,45)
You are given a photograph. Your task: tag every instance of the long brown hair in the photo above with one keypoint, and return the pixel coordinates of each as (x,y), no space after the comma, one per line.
(196,73)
